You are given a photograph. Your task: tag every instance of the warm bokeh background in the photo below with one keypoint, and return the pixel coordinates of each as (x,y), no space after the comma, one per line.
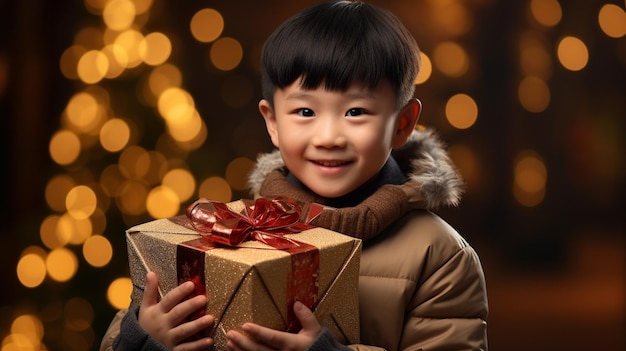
(120,111)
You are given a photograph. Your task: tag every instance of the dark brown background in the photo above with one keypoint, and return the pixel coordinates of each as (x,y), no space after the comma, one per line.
(555,272)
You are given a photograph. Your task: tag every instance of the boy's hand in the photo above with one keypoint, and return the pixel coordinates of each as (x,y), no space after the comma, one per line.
(162,319)
(261,338)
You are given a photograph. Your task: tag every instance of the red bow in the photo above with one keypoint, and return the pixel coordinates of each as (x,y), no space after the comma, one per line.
(266,220)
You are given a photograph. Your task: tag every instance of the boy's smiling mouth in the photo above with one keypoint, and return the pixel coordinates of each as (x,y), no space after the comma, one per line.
(331,163)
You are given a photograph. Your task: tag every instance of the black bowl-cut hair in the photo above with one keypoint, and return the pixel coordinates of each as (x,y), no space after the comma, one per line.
(338,43)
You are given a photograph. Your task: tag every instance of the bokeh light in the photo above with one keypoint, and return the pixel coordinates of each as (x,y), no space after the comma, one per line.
(426,69)
(134,162)
(546,12)
(237,172)
(61,264)
(535,57)
(118,292)
(186,127)
(118,15)
(181,181)
(49,232)
(155,48)
(163,77)
(572,53)
(215,188)
(29,326)
(92,66)
(31,270)
(114,135)
(69,61)
(97,251)
(451,59)
(81,202)
(117,60)
(73,230)
(142,6)
(19,342)
(56,191)
(64,147)
(226,53)
(452,16)
(206,25)
(176,104)
(534,94)
(461,111)
(612,20)
(127,45)
(162,202)
(83,112)
(530,177)
(132,197)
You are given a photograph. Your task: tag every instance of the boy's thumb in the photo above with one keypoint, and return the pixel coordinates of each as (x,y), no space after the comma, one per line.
(150,291)
(306,317)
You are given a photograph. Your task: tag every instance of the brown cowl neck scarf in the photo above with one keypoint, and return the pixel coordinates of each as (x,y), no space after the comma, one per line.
(383,203)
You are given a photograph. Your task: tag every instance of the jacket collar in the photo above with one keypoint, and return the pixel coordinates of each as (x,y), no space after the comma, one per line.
(389,174)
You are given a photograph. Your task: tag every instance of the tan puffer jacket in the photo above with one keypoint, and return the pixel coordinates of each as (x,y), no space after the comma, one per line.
(421,285)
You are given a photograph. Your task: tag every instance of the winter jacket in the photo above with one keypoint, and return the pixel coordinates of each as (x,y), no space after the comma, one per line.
(421,285)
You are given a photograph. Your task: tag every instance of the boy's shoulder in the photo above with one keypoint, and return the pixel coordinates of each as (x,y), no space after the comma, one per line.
(416,245)
(421,233)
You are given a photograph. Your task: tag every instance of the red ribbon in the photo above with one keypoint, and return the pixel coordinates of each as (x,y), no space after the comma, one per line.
(266,220)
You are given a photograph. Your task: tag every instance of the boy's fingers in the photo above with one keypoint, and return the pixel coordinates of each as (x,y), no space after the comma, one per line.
(184,309)
(193,327)
(176,295)
(240,342)
(200,344)
(150,292)
(307,318)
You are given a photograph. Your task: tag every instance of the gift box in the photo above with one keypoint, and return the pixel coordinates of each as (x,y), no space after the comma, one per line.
(259,277)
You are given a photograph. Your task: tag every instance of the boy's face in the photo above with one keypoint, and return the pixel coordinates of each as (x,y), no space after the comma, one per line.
(334,142)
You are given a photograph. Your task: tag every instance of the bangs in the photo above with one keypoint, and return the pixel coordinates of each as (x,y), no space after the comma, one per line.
(335,51)
(337,44)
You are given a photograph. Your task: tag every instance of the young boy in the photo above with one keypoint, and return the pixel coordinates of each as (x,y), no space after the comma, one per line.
(338,105)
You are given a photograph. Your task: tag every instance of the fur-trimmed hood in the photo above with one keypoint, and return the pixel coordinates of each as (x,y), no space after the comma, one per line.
(423,159)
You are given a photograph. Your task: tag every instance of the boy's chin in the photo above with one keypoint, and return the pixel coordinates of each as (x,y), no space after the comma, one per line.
(327,193)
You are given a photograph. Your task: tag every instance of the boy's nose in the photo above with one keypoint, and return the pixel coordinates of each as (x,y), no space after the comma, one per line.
(329,133)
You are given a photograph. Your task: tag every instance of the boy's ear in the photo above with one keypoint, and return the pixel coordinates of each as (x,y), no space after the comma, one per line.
(407,119)
(270,120)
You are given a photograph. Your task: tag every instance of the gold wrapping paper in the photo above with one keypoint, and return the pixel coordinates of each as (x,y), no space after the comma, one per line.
(248,283)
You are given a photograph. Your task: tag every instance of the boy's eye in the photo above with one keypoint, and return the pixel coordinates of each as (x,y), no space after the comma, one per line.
(355,112)
(306,112)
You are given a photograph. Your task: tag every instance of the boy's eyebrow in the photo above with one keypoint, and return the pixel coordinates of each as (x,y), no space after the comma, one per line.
(297,95)
(352,95)
(362,95)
